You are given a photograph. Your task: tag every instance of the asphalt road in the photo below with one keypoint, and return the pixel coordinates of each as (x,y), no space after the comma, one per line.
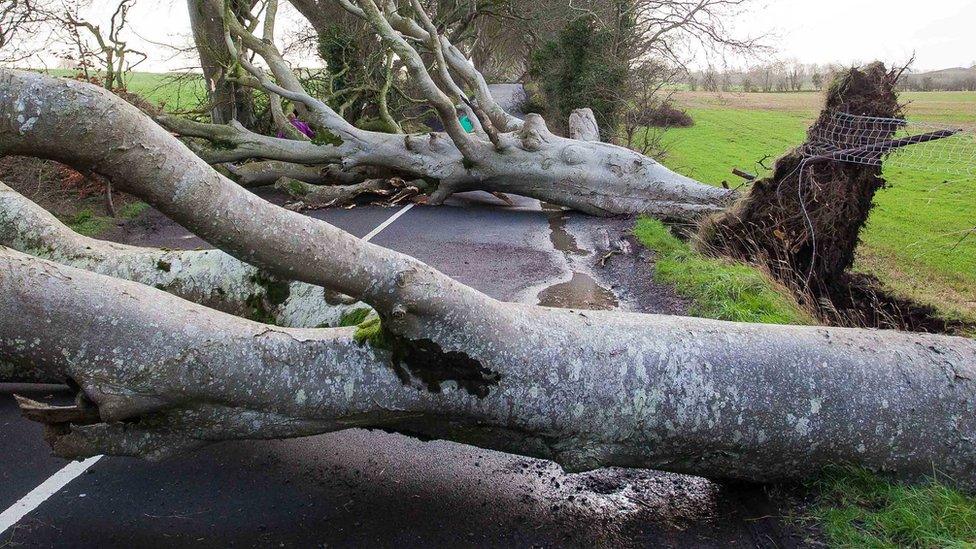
(360,488)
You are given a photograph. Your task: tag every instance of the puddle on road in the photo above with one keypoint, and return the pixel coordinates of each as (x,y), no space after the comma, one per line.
(561,239)
(581,291)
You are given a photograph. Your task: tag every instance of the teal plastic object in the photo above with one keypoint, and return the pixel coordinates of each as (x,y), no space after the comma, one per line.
(466,123)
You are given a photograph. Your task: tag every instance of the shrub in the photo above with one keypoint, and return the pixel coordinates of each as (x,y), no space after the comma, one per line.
(581,68)
(664,115)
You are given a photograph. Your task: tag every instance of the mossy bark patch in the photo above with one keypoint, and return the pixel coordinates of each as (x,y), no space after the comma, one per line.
(262,306)
(425,361)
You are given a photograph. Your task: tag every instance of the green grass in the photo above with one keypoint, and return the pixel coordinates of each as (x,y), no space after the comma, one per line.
(859,509)
(175,92)
(722,139)
(718,289)
(132,209)
(86,222)
(913,241)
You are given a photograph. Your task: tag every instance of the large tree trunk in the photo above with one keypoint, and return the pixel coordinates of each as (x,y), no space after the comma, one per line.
(208,277)
(703,397)
(228,100)
(502,154)
(586,389)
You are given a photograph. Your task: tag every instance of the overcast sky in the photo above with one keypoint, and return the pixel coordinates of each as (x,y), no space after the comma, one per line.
(942,33)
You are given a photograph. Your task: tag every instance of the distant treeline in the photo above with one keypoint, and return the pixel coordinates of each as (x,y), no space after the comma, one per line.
(958,79)
(793,76)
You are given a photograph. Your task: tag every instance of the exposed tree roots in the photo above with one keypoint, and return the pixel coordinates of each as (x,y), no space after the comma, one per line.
(803,222)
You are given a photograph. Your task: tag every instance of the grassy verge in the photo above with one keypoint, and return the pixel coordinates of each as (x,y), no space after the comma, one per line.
(914,239)
(858,509)
(854,508)
(718,289)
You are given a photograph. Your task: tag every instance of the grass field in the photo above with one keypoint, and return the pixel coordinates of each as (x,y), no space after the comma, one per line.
(176,92)
(914,241)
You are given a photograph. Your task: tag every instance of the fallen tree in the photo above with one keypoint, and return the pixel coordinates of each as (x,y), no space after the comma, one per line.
(803,222)
(209,277)
(158,375)
(501,154)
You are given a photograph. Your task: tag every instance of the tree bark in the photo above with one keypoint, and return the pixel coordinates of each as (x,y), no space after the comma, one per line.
(703,397)
(583,126)
(723,400)
(228,100)
(209,277)
(312,197)
(263,173)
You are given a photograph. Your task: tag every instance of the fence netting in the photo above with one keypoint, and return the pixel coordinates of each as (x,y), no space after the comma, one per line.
(895,143)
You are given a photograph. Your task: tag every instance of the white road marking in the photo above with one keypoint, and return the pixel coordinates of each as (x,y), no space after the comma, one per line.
(387,223)
(73,470)
(48,488)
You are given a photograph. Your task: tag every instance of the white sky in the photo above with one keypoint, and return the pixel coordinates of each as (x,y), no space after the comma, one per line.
(942,33)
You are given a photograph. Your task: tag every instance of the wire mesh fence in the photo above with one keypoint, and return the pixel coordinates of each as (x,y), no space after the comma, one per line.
(941,153)
(893,142)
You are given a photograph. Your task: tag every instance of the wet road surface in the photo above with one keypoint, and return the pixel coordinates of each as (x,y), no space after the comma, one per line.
(360,487)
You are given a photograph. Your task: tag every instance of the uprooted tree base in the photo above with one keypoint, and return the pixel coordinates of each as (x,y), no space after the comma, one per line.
(860,300)
(803,222)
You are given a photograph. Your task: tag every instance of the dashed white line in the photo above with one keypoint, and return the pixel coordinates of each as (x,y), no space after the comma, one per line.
(48,488)
(386,223)
(73,470)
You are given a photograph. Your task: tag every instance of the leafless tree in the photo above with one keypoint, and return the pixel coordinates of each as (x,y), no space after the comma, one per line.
(110,52)
(796,75)
(21,23)
(710,80)
(648,96)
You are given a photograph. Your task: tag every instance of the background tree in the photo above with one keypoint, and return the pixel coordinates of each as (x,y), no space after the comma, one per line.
(21,25)
(618,35)
(228,100)
(580,69)
(110,53)
(817,80)
(796,74)
(651,109)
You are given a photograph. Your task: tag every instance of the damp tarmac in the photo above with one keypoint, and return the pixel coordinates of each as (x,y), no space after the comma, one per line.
(581,291)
